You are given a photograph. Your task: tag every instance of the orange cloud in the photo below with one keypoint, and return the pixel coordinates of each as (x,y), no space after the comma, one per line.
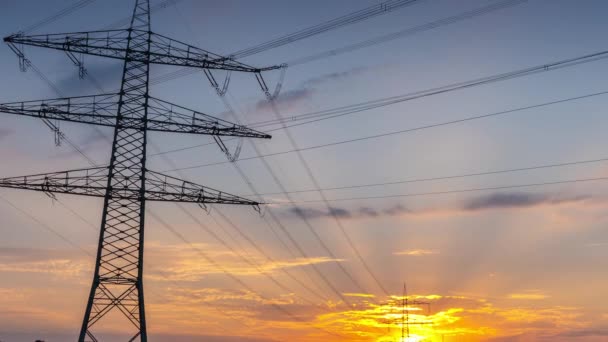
(417,252)
(529,295)
(182,263)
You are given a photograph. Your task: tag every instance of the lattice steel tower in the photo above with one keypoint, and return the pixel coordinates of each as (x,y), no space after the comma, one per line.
(126,184)
(401,316)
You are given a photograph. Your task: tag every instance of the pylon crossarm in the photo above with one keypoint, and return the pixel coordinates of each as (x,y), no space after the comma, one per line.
(88,182)
(107,43)
(95,109)
(165,50)
(113,44)
(168,117)
(93,182)
(101,110)
(164,188)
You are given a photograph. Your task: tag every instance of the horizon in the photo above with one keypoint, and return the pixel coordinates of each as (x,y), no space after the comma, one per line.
(454,157)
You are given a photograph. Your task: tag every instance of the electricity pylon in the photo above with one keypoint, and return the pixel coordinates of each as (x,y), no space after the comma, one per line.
(126,184)
(402,317)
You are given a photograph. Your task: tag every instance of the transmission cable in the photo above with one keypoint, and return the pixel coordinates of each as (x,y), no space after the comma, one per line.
(277,221)
(247,260)
(348,19)
(447,192)
(52,126)
(56,89)
(210,260)
(305,220)
(170,162)
(316,293)
(127,20)
(386,134)
(371,104)
(378,40)
(312,177)
(432,179)
(269,258)
(93,227)
(46,226)
(406,32)
(62,13)
(317,116)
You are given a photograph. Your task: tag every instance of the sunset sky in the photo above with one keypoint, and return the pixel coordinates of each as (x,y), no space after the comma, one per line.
(495,262)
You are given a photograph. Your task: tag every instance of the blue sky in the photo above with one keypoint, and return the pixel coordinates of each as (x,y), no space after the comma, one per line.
(487,245)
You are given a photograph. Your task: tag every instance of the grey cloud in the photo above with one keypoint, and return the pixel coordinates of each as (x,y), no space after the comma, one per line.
(515,200)
(287,99)
(485,202)
(339,212)
(397,210)
(93,138)
(294,97)
(5,132)
(87,144)
(344,213)
(334,76)
(366,211)
(309,213)
(107,75)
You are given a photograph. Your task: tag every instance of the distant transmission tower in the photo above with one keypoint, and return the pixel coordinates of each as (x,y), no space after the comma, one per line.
(126,184)
(404,305)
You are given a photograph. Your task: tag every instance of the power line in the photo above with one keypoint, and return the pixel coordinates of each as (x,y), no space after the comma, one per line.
(378,40)
(307,223)
(268,257)
(406,32)
(309,172)
(251,242)
(62,13)
(289,236)
(348,19)
(46,226)
(312,177)
(386,134)
(53,126)
(434,193)
(367,105)
(73,244)
(126,20)
(243,257)
(241,233)
(317,116)
(90,77)
(431,179)
(233,277)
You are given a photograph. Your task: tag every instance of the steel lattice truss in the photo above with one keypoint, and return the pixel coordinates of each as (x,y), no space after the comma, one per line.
(126,184)
(114,44)
(93,182)
(102,110)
